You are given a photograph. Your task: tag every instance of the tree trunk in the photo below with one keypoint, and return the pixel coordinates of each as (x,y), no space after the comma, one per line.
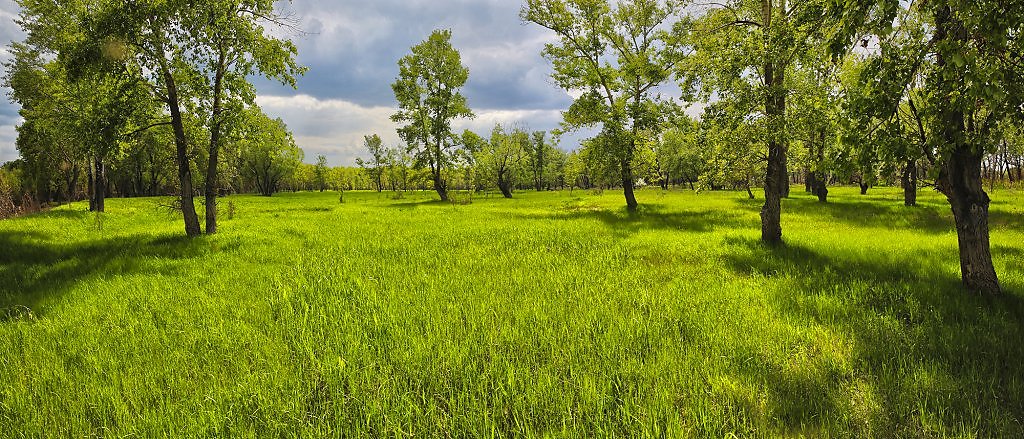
(72,183)
(188,208)
(960,177)
(785,175)
(100,187)
(771,212)
(439,186)
(89,169)
(821,187)
(910,184)
(970,204)
(628,186)
(214,156)
(776,182)
(864,188)
(504,186)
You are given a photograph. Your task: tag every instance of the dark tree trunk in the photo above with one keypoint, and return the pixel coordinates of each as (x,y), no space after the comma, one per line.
(628,186)
(960,177)
(776,182)
(785,176)
(188,207)
(864,188)
(440,187)
(962,184)
(750,193)
(808,181)
(89,168)
(214,156)
(771,212)
(821,187)
(100,187)
(505,187)
(910,184)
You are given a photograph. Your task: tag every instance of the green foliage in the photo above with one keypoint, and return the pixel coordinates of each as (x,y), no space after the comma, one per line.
(266,152)
(427,91)
(614,55)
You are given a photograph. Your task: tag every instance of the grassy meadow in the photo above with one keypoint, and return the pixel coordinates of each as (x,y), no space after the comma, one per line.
(548,315)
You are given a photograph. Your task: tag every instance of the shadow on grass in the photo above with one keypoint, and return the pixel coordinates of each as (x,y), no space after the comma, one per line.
(648,217)
(928,358)
(412,204)
(34,267)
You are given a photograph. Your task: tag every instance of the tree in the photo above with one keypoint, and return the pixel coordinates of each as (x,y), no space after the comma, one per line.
(320,173)
(814,108)
(502,157)
(194,58)
(267,153)
(971,82)
(744,50)
(427,90)
(80,105)
(732,142)
(616,55)
(375,167)
(230,44)
(678,156)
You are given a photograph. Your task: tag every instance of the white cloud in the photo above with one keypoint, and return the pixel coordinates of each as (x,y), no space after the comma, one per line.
(335,127)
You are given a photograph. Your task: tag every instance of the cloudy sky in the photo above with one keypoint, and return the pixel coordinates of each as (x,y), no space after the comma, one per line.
(352,48)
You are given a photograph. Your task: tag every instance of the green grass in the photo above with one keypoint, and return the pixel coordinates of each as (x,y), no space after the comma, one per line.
(549,315)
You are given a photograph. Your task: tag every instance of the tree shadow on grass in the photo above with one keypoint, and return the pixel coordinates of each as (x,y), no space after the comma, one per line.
(413,204)
(872,213)
(35,267)
(928,358)
(649,217)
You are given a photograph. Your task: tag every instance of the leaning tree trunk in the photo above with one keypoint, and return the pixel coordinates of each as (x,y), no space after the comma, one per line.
(910,184)
(188,207)
(505,186)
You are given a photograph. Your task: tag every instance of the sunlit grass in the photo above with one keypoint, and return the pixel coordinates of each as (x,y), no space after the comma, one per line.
(547,315)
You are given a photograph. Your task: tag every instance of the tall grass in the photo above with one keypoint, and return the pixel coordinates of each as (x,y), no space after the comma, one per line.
(548,315)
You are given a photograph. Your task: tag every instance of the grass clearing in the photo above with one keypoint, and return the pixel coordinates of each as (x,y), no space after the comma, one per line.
(548,315)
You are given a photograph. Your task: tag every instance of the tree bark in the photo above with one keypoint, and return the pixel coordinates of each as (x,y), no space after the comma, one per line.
(99,187)
(776,180)
(910,184)
(960,176)
(214,149)
(864,188)
(821,187)
(188,208)
(504,186)
(628,186)
(92,186)
(771,212)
